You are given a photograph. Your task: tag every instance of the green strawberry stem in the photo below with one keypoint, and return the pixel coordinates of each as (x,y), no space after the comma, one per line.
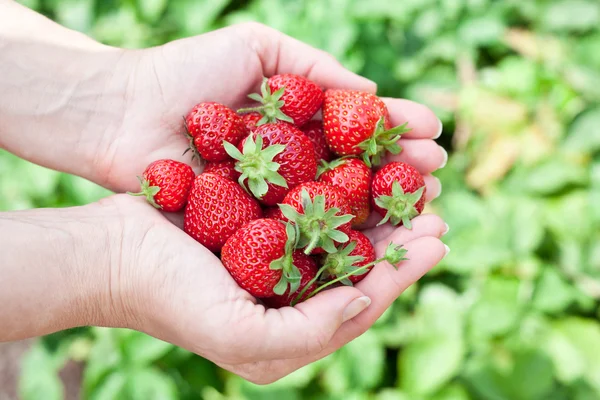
(394,254)
(381,141)
(290,274)
(271,105)
(191,147)
(256,165)
(148,191)
(400,206)
(331,165)
(308,285)
(341,262)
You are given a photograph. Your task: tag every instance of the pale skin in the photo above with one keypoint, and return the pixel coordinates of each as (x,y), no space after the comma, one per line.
(74,105)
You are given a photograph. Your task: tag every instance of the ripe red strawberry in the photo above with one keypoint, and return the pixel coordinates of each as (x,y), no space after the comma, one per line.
(308,270)
(209,124)
(356,253)
(217,208)
(353,177)
(321,213)
(287,97)
(226,169)
(358,123)
(166,184)
(250,120)
(272,212)
(398,193)
(273,159)
(260,257)
(314,131)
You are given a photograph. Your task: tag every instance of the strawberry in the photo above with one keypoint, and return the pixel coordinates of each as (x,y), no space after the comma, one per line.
(272,159)
(287,97)
(217,208)
(260,258)
(398,193)
(250,120)
(224,168)
(166,184)
(353,177)
(321,213)
(358,123)
(308,270)
(208,125)
(314,131)
(273,212)
(358,252)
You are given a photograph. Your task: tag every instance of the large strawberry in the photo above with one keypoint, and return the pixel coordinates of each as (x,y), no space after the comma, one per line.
(314,131)
(273,159)
(217,208)
(260,257)
(398,193)
(208,125)
(287,97)
(358,123)
(308,270)
(321,213)
(353,177)
(356,253)
(224,168)
(251,120)
(166,184)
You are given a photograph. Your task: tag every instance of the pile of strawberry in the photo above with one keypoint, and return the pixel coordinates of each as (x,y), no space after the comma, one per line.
(283,194)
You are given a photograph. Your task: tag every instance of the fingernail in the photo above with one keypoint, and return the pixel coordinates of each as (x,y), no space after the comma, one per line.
(447,251)
(446,230)
(445,154)
(355,308)
(439,185)
(440,129)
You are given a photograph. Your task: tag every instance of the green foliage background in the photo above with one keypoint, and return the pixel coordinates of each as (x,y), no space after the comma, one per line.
(512,313)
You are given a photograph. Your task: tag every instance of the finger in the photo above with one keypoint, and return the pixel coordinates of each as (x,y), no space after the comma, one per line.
(434,187)
(280,53)
(423,154)
(423,122)
(423,225)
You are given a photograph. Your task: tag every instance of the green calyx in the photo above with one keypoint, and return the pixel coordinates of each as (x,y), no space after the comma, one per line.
(341,263)
(147,191)
(256,165)
(191,147)
(400,206)
(394,254)
(290,274)
(318,228)
(381,141)
(331,165)
(271,105)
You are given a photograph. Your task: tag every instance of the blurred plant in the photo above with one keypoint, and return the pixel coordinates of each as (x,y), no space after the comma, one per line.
(512,313)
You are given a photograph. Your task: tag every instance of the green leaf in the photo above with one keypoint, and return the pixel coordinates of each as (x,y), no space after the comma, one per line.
(105,357)
(39,374)
(584,135)
(113,387)
(150,384)
(142,349)
(571,15)
(497,311)
(152,10)
(553,294)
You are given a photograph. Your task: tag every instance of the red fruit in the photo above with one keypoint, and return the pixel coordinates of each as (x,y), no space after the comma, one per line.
(287,97)
(314,131)
(250,120)
(209,124)
(358,123)
(259,256)
(308,269)
(217,208)
(273,159)
(226,169)
(398,193)
(353,177)
(357,252)
(273,212)
(166,184)
(321,213)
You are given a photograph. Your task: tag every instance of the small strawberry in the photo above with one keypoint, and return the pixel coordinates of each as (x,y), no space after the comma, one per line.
(260,257)
(398,193)
(273,212)
(314,131)
(224,168)
(358,123)
(250,120)
(357,253)
(208,125)
(166,184)
(308,270)
(217,208)
(353,177)
(321,213)
(272,159)
(287,97)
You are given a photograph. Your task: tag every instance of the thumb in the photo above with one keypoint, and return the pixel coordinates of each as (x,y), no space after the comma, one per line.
(307,328)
